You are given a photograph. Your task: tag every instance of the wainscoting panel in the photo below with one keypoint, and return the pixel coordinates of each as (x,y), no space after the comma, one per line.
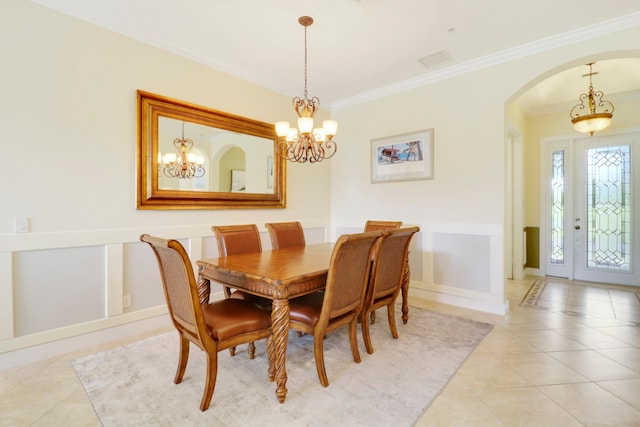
(56,288)
(460,264)
(462,260)
(142,280)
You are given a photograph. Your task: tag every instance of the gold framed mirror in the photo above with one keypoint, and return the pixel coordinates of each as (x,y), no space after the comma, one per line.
(194,157)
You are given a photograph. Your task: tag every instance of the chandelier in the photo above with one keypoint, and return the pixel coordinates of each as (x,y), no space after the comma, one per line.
(306,143)
(183,165)
(597,113)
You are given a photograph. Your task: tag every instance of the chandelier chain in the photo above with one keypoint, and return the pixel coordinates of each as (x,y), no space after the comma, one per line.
(305,63)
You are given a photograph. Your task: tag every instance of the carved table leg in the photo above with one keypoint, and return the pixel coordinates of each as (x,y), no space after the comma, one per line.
(280,335)
(406,278)
(204,291)
(204,287)
(272,361)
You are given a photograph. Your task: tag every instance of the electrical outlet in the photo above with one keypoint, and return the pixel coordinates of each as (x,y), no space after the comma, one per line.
(126,301)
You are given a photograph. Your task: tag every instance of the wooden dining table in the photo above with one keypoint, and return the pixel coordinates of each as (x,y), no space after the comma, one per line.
(278,275)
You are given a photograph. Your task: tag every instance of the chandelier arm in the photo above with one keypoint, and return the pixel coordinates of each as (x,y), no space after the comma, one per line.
(602,102)
(330,145)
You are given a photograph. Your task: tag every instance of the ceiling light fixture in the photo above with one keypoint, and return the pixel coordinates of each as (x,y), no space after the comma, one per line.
(188,165)
(598,111)
(306,143)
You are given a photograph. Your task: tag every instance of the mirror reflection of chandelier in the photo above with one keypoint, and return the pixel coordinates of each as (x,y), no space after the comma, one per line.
(306,143)
(183,165)
(596,113)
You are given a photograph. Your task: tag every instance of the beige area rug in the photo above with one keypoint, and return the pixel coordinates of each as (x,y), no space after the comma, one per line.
(133,385)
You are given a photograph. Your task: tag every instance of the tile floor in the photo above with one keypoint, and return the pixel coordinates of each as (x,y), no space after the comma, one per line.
(573,360)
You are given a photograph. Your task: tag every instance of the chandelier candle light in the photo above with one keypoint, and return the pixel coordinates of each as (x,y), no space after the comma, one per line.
(306,143)
(594,119)
(188,165)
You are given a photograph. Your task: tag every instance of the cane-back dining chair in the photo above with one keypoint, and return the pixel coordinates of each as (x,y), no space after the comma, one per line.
(386,278)
(237,239)
(211,326)
(285,234)
(234,240)
(373,225)
(320,313)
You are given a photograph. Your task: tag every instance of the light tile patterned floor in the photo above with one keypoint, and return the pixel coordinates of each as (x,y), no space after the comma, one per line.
(572,360)
(575,362)
(580,298)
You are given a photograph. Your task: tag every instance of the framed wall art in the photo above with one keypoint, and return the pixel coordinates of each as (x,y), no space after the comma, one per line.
(404,157)
(270,172)
(238,179)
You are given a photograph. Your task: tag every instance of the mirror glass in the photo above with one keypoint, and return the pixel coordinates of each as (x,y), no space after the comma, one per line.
(229,161)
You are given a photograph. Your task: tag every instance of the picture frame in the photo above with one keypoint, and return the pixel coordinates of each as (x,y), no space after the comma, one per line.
(270,172)
(238,181)
(403,157)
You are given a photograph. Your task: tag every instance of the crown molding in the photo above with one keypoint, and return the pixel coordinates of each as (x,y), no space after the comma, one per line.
(585,33)
(564,107)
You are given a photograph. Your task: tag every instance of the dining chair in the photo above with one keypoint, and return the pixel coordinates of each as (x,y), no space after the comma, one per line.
(386,277)
(235,240)
(285,234)
(211,326)
(320,313)
(240,239)
(372,225)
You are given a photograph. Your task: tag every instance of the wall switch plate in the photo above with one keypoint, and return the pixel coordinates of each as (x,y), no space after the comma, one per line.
(21,224)
(126,301)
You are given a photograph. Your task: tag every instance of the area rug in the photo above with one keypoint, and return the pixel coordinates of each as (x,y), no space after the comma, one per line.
(133,385)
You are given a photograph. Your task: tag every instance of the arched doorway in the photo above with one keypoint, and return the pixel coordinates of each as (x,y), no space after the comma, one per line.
(544,105)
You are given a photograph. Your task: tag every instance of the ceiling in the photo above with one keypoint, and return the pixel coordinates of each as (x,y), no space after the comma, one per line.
(360,48)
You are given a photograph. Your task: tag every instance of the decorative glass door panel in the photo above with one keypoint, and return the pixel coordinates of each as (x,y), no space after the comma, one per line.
(605,220)
(557,249)
(608,209)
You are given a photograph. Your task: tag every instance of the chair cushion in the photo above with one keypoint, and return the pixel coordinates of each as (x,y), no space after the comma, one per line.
(306,309)
(231,317)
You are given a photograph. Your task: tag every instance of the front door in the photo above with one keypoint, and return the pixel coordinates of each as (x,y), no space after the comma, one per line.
(593,209)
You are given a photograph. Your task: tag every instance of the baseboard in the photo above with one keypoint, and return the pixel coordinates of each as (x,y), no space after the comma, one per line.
(533,272)
(487,306)
(39,352)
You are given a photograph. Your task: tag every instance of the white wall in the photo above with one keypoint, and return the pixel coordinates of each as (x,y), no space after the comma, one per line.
(69,119)
(550,125)
(69,134)
(467,195)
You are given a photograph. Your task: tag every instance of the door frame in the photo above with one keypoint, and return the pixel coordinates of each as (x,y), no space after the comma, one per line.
(514,214)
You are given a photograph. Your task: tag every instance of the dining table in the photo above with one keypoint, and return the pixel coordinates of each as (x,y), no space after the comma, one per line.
(278,275)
